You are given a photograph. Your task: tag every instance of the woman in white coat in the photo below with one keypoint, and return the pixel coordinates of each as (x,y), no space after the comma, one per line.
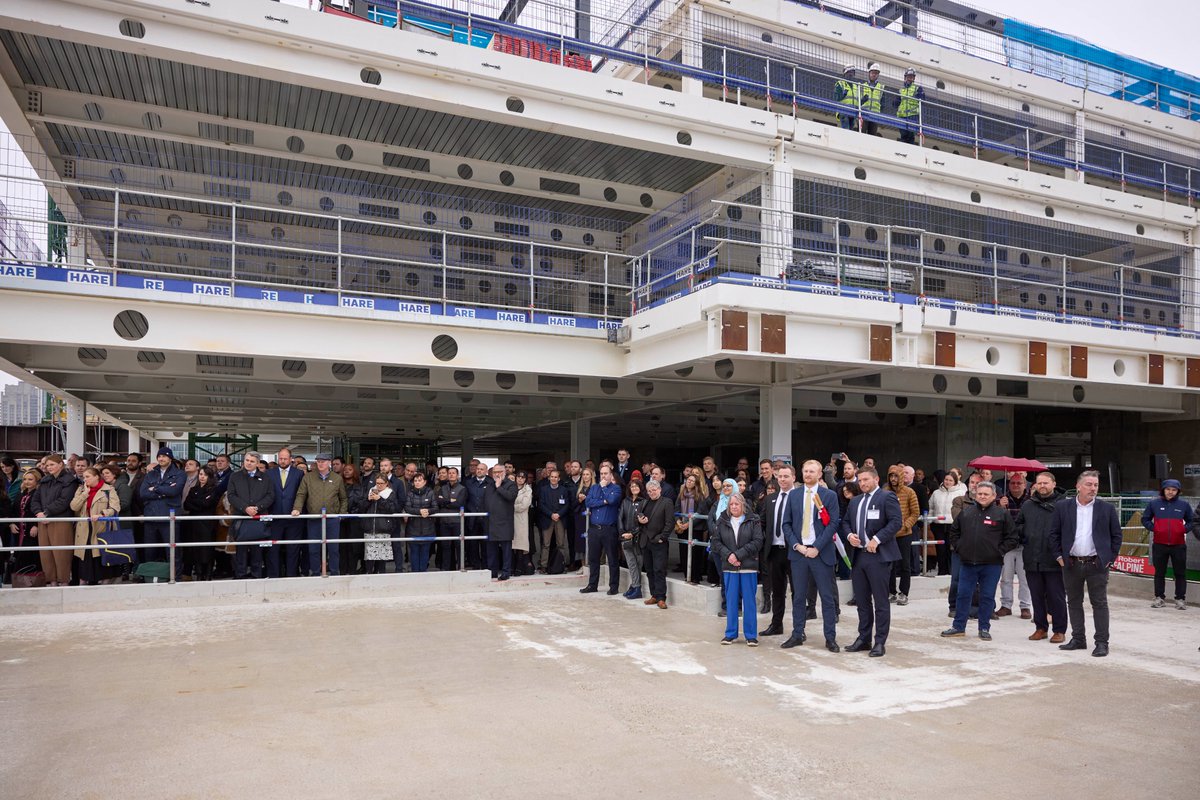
(521,507)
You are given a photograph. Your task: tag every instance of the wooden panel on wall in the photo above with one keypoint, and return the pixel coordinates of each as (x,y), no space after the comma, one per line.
(881,342)
(1154,372)
(944,352)
(1079,361)
(1193,373)
(773,334)
(734,335)
(1037,358)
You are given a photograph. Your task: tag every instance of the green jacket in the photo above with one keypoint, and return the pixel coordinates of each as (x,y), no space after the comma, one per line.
(315,494)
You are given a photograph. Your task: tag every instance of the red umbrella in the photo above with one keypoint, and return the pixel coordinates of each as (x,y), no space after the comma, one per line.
(1007,464)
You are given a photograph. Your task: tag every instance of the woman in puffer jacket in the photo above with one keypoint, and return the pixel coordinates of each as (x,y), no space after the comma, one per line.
(1169,517)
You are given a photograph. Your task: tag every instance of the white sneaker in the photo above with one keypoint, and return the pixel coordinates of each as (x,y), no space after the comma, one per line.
(1181,605)
(1158,603)
(902,599)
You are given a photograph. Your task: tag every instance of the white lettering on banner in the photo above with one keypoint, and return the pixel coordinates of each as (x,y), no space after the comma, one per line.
(89,277)
(267,294)
(465,312)
(610,325)
(211,289)
(702,285)
(772,282)
(870,294)
(682,272)
(1005,311)
(308,299)
(414,308)
(17,272)
(510,316)
(150,283)
(563,322)
(829,290)
(675,296)
(966,306)
(1191,470)
(1044,316)
(358,302)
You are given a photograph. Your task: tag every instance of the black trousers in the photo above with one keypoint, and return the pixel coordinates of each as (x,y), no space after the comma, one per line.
(448,552)
(1077,575)
(499,556)
(902,569)
(940,530)
(475,557)
(604,538)
(656,568)
(1177,556)
(778,577)
(1049,597)
(870,578)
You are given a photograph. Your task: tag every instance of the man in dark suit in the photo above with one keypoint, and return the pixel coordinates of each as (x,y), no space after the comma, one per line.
(250,495)
(1085,538)
(623,469)
(870,526)
(285,479)
(775,552)
(811,552)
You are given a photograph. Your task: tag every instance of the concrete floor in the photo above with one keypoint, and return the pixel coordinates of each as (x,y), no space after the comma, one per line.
(532,694)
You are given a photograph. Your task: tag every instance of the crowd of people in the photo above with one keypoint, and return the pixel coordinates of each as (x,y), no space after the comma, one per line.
(778,527)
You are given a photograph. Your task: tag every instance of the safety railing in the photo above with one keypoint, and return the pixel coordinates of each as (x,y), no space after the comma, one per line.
(345,261)
(173,542)
(779,82)
(909,264)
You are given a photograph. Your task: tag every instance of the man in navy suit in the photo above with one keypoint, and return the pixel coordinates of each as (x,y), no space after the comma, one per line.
(624,467)
(285,480)
(870,526)
(811,552)
(1085,537)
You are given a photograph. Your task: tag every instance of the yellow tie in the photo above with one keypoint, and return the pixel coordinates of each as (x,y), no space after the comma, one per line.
(806,532)
(283,479)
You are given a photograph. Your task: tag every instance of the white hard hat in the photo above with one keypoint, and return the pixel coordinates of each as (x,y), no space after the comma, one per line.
(849,68)
(873,68)
(910,71)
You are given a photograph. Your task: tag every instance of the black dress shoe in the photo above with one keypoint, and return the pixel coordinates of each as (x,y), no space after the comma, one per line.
(587,590)
(853,602)
(793,641)
(1073,644)
(773,630)
(1100,651)
(766,606)
(832,646)
(858,646)
(877,651)
(610,591)
(812,614)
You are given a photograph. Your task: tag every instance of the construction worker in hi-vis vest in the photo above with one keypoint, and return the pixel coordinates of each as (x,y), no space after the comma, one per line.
(872,98)
(846,91)
(908,107)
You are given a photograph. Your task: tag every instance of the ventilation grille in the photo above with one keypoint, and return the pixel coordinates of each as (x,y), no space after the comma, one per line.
(409,376)
(224,365)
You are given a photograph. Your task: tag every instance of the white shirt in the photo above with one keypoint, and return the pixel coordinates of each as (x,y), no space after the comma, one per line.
(736,523)
(780,510)
(810,504)
(1084,545)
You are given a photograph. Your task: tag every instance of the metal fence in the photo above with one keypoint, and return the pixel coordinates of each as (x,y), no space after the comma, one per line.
(173,542)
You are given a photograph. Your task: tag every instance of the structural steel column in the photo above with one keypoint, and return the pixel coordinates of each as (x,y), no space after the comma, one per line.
(581,440)
(76,433)
(693,47)
(776,216)
(775,425)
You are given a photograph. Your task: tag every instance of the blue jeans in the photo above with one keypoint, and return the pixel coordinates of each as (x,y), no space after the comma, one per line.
(418,553)
(333,527)
(987,576)
(740,591)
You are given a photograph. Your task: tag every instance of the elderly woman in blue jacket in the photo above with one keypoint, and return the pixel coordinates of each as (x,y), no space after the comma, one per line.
(1169,517)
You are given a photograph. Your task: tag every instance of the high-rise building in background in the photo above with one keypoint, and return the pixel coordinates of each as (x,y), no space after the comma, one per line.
(21,404)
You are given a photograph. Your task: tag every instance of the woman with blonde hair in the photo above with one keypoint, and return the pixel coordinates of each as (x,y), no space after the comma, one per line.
(93,499)
(52,501)
(587,478)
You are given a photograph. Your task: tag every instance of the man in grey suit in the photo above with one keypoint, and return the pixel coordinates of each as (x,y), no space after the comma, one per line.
(1085,538)
(870,525)
(810,521)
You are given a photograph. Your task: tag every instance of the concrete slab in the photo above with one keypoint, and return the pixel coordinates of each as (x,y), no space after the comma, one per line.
(516,692)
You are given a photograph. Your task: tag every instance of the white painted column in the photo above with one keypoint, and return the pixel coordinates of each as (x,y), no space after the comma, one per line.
(777,216)
(775,421)
(76,412)
(693,50)
(1189,314)
(581,440)
(133,442)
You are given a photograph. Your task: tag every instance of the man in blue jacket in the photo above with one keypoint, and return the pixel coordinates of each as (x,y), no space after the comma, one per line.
(1085,538)
(870,525)
(161,492)
(604,504)
(476,486)
(285,480)
(810,521)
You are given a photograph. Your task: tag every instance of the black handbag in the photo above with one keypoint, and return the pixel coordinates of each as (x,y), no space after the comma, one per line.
(251,530)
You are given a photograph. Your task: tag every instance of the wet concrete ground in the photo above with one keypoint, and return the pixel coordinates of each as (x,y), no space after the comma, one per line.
(547,693)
